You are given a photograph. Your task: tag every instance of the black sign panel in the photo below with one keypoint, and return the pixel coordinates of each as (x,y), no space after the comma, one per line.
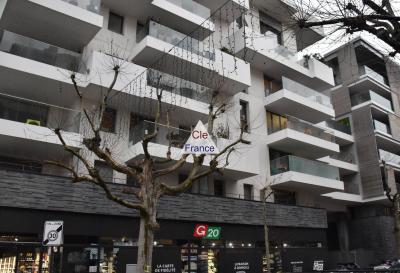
(167,260)
(240,260)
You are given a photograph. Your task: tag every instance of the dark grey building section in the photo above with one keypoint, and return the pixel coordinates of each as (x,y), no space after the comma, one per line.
(371,178)
(340,99)
(372,229)
(52,193)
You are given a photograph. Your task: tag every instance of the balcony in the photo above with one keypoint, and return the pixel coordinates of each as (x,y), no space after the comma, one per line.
(389,158)
(300,101)
(296,173)
(342,132)
(37,191)
(73,22)
(190,59)
(372,97)
(301,138)
(345,161)
(25,125)
(381,127)
(368,72)
(265,54)
(238,167)
(384,138)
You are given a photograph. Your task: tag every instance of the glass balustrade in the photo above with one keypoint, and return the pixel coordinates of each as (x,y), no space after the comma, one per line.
(178,86)
(166,135)
(301,126)
(176,38)
(302,165)
(193,7)
(90,5)
(389,157)
(39,114)
(365,70)
(338,126)
(382,127)
(39,51)
(362,97)
(306,92)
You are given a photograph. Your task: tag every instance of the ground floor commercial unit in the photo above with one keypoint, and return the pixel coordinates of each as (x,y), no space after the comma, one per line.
(101,236)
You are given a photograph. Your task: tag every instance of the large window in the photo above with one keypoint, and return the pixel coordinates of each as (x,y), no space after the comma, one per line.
(275,122)
(218,187)
(116,23)
(271,86)
(108,121)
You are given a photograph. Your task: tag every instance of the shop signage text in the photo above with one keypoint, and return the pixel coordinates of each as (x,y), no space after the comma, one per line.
(200,142)
(207,232)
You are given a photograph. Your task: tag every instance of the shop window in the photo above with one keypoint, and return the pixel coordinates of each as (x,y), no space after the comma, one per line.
(244,115)
(271,85)
(284,197)
(219,187)
(105,171)
(115,23)
(248,192)
(108,120)
(275,122)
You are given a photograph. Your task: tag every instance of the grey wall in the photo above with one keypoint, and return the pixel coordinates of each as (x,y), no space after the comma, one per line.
(52,193)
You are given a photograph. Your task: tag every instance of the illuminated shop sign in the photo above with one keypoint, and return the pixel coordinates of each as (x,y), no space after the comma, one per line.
(207,232)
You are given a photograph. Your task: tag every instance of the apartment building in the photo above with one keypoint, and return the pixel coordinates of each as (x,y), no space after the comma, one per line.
(246,51)
(366,101)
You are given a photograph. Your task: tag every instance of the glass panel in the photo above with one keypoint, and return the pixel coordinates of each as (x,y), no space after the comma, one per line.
(177,137)
(389,157)
(28,260)
(365,70)
(178,86)
(178,39)
(90,5)
(302,165)
(193,7)
(115,23)
(340,126)
(306,92)
(39,51)
(382,127)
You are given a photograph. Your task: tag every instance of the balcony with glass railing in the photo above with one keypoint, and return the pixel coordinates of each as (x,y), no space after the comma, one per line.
(175,38)
(389,157)
(90,5)
(39,51)
(175,137)
(344,128)
(362,97)
(178,86)
(38,114)
(301,126)
(365,70)
(301,165)
(381,127)
(192,7)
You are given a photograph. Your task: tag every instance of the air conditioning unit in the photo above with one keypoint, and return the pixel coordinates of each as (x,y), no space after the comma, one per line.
(33,122)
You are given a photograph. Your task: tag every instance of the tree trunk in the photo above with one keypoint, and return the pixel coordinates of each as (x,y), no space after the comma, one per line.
(266,232)
(145,246)
(396,205)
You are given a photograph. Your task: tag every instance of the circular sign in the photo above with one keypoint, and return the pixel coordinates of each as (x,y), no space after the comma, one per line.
(52,235)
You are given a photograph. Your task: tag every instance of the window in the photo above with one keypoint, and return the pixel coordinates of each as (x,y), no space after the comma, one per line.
(248,192)
(115,23)
(271,86)
(105,171)
(218,187)
(244,118)
(108,121)
(132,181)
(20,165)
(275,122)
(284,197)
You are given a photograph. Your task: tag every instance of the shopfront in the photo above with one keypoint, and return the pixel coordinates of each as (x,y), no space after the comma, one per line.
(108,244)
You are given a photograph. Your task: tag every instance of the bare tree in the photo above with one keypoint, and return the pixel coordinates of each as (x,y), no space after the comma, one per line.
(378,17)
(149,171)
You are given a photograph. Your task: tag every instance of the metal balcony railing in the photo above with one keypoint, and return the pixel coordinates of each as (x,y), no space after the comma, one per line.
(90,5)
(176,38)
(301,126)
(302,165)
(39,51)
(192,7)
